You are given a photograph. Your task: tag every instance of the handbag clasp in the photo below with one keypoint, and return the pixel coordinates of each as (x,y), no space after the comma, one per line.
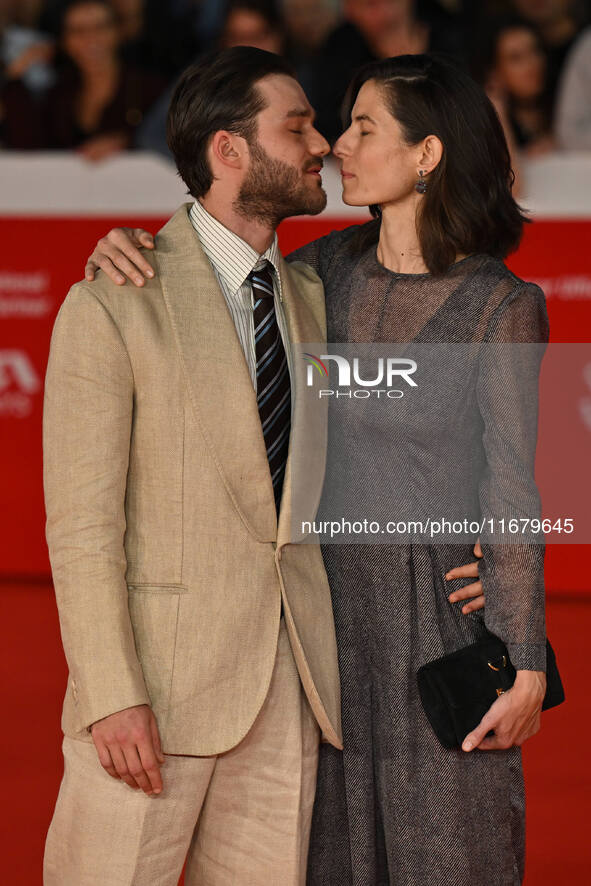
(504,665)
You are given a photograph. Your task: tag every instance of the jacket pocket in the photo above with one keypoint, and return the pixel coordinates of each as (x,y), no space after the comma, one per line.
(158,589)
(154,612)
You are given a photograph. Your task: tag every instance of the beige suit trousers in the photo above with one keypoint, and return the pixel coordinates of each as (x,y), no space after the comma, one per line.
(241,818)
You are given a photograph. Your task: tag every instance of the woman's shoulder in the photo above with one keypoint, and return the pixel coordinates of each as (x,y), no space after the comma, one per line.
(516,307)
(320,253)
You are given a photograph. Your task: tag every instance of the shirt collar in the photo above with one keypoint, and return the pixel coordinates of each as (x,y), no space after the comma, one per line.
(229,254)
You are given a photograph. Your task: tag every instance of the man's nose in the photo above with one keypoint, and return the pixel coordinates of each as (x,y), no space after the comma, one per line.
(318,145)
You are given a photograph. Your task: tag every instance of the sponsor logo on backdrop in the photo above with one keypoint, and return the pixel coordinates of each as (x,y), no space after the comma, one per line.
(568,287)
(19,383)
(379,384)
(24,294)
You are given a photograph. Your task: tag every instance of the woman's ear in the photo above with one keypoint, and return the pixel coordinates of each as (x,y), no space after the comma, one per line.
(430,154)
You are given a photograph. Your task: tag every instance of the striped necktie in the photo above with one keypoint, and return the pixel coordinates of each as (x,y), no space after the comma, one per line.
(273,383)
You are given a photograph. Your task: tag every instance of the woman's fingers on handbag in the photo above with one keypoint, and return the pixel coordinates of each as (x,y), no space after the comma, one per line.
(517,736)
(513,719)
(493,719)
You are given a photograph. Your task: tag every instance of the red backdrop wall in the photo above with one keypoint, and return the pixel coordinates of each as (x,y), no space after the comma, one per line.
(43,256)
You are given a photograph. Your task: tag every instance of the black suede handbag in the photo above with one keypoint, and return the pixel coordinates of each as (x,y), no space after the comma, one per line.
(458,689)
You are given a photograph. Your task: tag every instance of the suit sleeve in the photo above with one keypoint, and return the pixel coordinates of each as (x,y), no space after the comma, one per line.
(512,568)
(86,436)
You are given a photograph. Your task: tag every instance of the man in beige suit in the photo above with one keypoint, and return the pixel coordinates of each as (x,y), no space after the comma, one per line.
(198,633)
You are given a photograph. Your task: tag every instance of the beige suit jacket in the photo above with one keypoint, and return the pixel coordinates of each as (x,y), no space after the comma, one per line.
(168,560)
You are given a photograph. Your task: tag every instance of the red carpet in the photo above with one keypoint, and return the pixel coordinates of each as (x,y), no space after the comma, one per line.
(33,672)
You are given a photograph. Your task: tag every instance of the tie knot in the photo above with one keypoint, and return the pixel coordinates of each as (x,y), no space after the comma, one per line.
(262,280)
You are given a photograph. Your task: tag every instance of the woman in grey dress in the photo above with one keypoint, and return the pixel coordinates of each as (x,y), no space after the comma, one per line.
(396,807)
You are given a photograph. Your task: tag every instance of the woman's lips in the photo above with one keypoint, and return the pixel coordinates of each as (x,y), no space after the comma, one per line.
(345,174)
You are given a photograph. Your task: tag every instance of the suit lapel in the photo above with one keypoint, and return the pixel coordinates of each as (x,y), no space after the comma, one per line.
(217,375)
(304,471)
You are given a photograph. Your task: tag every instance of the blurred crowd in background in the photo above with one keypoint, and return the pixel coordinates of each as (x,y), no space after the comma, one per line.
(96,76)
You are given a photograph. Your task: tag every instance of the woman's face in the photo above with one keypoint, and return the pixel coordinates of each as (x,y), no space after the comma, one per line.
(377,166)
(520,65)
(90,34)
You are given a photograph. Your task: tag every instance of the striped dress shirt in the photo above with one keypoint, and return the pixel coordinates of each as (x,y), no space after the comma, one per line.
(232,260)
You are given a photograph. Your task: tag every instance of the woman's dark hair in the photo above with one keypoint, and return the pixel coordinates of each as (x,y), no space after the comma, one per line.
(218,92)
(468,206)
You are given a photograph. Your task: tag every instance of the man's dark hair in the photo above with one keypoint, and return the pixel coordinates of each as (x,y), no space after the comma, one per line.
(218,92)
(468,206)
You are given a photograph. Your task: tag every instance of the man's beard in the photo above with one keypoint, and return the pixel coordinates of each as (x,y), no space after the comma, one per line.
(273,190)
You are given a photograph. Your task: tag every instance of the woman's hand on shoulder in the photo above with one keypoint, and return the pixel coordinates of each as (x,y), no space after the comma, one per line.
(118,255)
(514,717)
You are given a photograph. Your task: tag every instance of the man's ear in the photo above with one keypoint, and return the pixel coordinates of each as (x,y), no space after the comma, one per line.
(430,153)
(228,149)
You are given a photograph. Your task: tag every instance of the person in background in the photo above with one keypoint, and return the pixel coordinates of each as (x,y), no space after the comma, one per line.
(372,30)
(98,100)
(510,62)
(156,36)
(307,25)
(253,23)
(558,22)
(25,58)
(246,23)
(573,100)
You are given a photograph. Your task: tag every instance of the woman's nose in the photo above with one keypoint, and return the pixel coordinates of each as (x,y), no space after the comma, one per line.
(339,147)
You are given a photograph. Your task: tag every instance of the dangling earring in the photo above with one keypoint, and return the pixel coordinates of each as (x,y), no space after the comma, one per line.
(421,185)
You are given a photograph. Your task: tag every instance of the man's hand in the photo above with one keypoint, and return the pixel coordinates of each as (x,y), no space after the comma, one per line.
(472,590)
(514,716)
(128,747)
(119,252)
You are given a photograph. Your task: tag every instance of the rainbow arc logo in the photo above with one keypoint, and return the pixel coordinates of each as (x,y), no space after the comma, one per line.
(316,362)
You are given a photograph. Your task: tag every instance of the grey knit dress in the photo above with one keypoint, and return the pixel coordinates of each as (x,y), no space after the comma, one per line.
(395,807)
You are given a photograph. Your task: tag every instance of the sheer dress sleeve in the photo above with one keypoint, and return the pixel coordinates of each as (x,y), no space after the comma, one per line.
(512,571)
